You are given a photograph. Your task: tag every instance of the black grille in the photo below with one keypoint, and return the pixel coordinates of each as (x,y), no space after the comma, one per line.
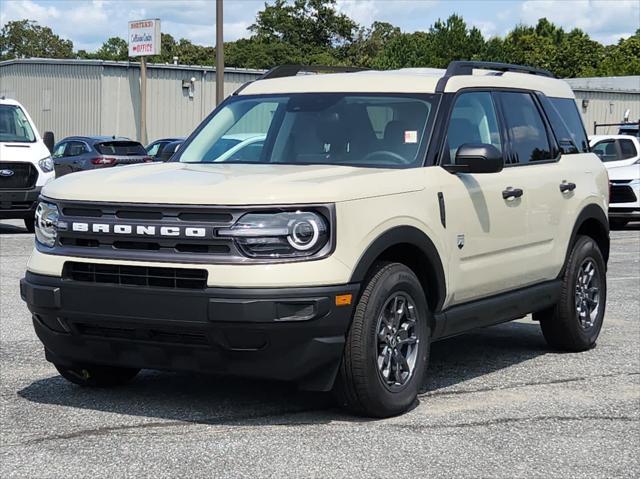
(175,278)
(622,194)
(23,176)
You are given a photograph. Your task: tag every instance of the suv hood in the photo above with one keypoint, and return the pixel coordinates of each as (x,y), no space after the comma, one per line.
(239,184)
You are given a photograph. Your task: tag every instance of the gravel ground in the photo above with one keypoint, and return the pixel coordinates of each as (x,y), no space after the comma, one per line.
(497,403)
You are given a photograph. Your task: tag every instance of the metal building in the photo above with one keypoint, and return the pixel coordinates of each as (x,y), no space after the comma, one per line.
(606,99)
(90,97)
(94,97)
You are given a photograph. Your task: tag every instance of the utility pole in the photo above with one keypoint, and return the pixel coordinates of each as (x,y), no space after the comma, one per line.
(143,100)
(219,54)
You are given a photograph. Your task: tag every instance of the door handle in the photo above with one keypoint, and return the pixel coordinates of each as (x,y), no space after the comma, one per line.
(564,187)
(512,193)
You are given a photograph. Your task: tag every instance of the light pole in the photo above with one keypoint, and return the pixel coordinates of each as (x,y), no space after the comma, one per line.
(219,54)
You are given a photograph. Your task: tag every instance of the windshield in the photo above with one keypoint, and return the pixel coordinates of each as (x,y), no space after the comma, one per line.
(14,126)
(319,128)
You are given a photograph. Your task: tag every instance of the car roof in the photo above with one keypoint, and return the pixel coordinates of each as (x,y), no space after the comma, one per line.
(9,101)
(406,80)
(177,138)
(595,138)
(98,138)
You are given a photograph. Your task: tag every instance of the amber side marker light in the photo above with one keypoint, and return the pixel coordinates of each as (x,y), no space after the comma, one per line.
(343,299)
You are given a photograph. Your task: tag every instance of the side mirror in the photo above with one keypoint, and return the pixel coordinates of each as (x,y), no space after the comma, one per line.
(477,158)
(49,140)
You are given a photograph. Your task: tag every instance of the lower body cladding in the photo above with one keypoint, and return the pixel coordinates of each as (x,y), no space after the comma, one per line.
(18,204)
(289,334)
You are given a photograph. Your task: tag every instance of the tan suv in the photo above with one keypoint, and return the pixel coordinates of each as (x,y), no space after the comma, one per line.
(380,212)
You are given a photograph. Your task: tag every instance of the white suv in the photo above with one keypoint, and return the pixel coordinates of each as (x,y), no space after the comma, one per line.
(621,156)
(385,210)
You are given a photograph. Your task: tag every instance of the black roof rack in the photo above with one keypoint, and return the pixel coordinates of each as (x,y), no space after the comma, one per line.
(464,67)
(283,71)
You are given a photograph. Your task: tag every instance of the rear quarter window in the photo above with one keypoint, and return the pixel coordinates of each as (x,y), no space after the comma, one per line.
(628,149)
(568,112)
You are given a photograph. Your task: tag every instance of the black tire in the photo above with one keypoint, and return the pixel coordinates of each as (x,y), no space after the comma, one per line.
(97,376)
(360,385)
(30,224)
(561,324)
(618,223)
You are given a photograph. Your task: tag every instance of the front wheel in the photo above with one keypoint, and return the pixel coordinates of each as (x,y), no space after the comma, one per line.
(387,347)
(574,323)
(97,376)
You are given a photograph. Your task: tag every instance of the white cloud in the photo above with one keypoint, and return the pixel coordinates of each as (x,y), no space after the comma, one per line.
(605,21)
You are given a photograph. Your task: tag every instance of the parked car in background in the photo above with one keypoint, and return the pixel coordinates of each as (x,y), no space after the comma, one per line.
(616,150)
(624,202)
(621,156)
(25,163)
(168,150)
(79,153)
(154,149)
(245,147)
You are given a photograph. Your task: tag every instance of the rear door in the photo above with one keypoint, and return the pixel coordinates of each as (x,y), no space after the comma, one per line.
(534,158)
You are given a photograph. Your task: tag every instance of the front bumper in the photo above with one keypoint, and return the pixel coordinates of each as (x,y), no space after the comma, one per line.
(289,334)
(631,214)
(18,203)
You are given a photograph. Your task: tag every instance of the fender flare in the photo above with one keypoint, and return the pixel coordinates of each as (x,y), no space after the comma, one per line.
(589,212)
(404,235)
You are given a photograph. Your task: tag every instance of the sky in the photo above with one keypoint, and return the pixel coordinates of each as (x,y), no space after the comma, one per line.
(88,23)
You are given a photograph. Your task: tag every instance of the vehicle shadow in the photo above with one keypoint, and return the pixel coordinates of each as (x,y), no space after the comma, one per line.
(202,399)
(11,229)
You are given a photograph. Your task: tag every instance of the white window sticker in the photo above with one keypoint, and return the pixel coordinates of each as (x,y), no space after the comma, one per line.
(411,136)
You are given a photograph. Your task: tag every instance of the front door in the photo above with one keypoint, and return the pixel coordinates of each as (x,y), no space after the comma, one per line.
(486,213)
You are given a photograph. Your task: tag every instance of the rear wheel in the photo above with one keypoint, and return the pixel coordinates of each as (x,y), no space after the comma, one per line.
(387,346)
(574,323)
(97,376)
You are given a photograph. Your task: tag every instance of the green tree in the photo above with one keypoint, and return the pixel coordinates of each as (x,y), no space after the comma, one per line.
(368,44)
(115,48)
(27,39)
(306,24)
(622,59)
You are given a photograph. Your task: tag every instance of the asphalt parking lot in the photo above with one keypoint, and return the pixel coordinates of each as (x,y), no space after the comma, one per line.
(497,403)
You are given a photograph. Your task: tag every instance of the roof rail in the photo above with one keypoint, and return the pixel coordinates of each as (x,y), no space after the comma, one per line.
(464,67)
(283,71)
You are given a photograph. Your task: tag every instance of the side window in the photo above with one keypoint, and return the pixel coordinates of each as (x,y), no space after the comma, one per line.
(473,120)
(606,150)
(154,148)
(75,148)
(568,111)
(628,149)
(525,127)
(59,150)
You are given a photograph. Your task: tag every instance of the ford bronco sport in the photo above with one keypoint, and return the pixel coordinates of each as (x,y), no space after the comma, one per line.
(382,211)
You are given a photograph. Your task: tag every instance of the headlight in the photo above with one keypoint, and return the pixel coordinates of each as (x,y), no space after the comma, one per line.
(46,164)
(279,235)
(46,223)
